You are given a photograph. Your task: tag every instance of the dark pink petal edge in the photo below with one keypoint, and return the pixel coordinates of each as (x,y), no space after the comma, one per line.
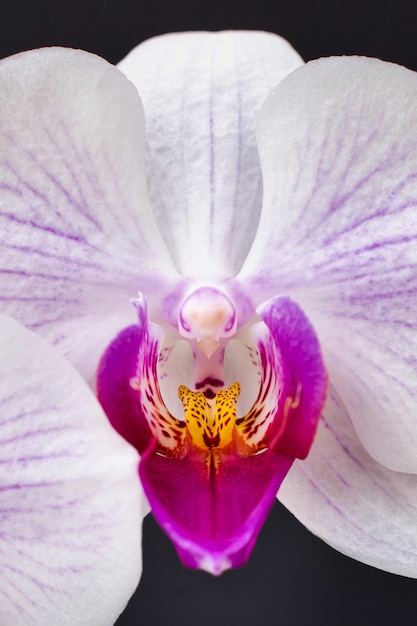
(304,377)
(119,401)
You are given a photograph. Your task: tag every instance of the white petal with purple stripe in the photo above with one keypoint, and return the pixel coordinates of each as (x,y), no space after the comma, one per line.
(201,92)
(338,233)
(358,506)
(71,505)
(77,236)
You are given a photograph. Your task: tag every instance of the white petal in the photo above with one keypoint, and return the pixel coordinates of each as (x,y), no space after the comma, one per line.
(201,92)
(358,506)
(77,235)
(71,505)
(338,233)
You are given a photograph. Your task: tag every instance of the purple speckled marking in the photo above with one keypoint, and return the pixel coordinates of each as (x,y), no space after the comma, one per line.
(213,382)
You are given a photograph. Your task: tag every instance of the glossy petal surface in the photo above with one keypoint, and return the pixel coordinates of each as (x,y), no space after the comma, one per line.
(304,378)
(338,234)
(358,506)
(117,367)
(213,520)
(77,236)
(201,92)
(71,505)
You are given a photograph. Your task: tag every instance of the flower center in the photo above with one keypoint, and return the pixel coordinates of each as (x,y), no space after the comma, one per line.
(211,470)
(211,427)
(207,315)
(210,422)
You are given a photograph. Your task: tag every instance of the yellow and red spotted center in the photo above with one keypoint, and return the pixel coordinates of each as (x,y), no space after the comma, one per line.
(210,422)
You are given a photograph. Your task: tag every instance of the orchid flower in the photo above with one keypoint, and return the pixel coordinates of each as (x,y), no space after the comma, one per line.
(229,290)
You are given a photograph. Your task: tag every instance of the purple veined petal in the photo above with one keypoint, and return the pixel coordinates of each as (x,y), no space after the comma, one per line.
(201,92)
(71,505)
(358,506)
(338,146)
(78,236)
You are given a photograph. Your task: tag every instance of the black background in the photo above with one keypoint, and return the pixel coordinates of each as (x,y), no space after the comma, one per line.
(292,578)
